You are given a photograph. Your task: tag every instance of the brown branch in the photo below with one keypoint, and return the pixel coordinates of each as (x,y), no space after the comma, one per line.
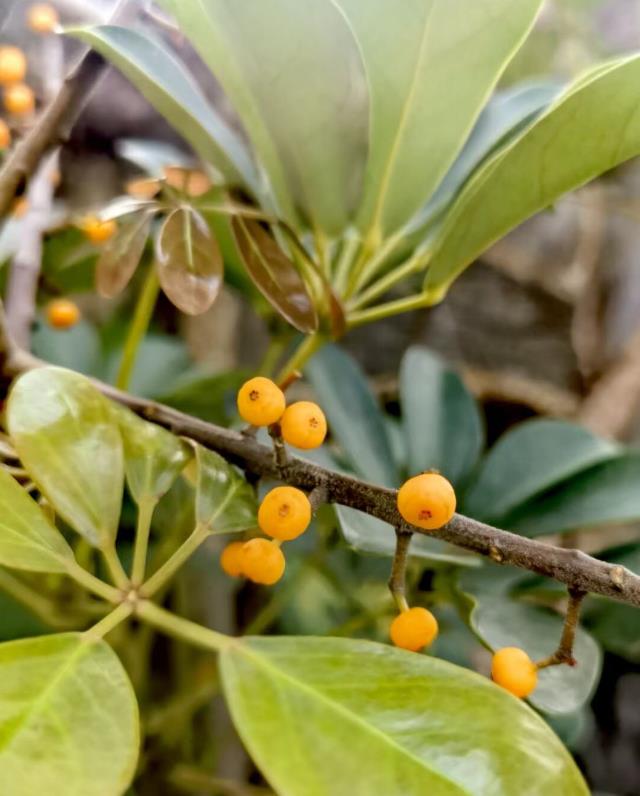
(564,653)
(397,585)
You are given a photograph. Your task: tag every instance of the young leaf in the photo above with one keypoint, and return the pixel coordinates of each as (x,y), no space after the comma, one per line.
(153,457)
(68,718)
(121,254)
(431,65)
(442,424)
(27,539)
(164,81)
(190,265)
(225,502)
(274,274)
(592,127)
(530,459)
(332,709)
(65,434)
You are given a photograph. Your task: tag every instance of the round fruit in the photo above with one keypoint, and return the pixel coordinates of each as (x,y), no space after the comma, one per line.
(414,629)
(427,500)
(42,18)
(98,231)
(62,313)
(514,670)
(304,425)
(285,513)
(5,135)
(260,402)
(231,559)
(13,65)
(19,99)
(262,561)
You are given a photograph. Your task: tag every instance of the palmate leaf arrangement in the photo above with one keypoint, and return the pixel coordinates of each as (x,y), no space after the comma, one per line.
(371,153)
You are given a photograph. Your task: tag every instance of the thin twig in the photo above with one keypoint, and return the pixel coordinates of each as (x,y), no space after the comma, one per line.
(564,653)
(397,579)
(279,449)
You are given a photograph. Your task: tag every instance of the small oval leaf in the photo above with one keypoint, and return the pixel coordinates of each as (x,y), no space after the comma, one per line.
(65,434)
(274,274)
(190,265)
(121,255)
(68,718)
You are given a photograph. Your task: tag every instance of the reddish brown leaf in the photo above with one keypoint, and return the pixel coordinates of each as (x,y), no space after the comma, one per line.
(274,274)
(121,254)
(190,181)
(190,264)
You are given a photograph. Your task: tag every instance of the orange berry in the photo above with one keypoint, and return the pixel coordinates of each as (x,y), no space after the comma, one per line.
(285,513)
(13,65)
(42,18)
(304,425)
(62,313)
(19,207)
(514,670)
(231,559)
(427,500)
(260,402)
(98,231)
(414,629)
(19,99)
(262,561)
(5,135)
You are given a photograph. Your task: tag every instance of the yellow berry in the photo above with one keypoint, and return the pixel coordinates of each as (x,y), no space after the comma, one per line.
(19,99)
(13,65)
(414,629)
(514,670)
(285,513)
(42,18)
(5,135)
(304,425)
(427,500)
(62,313)
(231,559)
(260,402)
(98,231)
(262,561)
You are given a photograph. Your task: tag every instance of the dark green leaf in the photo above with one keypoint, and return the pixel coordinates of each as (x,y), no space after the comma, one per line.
(78,348)
(162,359)
(121,254)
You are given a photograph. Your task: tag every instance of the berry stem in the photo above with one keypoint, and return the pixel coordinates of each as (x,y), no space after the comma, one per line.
(138,329)
(397,585)
(301,355)
(564,653)
(279,449)
(318,495)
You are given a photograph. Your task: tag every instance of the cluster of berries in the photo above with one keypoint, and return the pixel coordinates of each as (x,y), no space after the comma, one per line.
(285,512)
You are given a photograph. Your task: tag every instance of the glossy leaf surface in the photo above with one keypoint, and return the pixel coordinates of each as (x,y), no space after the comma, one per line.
(122,254)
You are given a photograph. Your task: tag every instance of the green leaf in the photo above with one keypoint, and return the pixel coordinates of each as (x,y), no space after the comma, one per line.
(442,424)
(293,73)
(27,538)
(78,348)
(122,254)
(163,80)
(68,718)
(368,534)
(274,274)
(153,457)
(65,435)
(431,64)
(345,717)
(190,266)
(354,417)
(530,459)
(592,127)
(225,502)
(605,493)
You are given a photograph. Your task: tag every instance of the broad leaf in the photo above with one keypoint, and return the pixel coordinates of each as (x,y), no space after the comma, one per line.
(530,459)
(442,425)
(346,717)
(354,417)
(190,265)
(66,437)
(27,538)
(68,718)
(589,129)
(293,73)
(122,254)
(274,274)
(164,81)
(153,457)
(225,502)
(431,65)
